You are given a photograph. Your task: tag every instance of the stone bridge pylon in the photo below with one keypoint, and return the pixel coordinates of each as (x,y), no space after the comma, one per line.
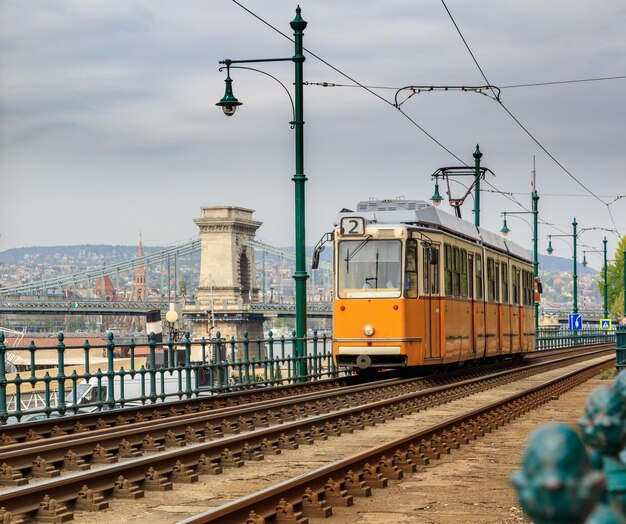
(227,274)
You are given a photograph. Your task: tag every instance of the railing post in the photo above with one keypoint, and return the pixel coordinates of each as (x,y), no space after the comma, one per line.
(152,366)
(187,364)
(246,356)
(270,342)
(4,414)
(61,373)
(110,372)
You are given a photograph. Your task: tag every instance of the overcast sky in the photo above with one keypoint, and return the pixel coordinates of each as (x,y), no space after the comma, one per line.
(108,123)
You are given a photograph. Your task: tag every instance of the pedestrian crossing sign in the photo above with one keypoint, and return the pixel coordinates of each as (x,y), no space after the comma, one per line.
(606,323)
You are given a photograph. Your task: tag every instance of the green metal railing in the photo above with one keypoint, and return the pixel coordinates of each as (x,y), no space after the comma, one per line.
(557,338)
(112,375)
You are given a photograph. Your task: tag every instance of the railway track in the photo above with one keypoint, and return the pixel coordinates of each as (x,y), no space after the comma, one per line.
(85,422)
(176,452)
(341,483)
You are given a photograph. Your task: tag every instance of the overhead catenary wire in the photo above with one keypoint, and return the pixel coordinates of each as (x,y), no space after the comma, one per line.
(370,90)
(521,125)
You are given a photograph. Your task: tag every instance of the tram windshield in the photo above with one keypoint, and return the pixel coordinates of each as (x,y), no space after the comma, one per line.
(369,268)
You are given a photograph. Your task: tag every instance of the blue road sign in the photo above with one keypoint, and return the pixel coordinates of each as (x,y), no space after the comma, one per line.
(606,323)
(575,321)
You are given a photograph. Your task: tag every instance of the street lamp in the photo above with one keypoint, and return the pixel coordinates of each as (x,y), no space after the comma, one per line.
(505,231)
(229,105)
(446,172)
(550,250)
(584,262)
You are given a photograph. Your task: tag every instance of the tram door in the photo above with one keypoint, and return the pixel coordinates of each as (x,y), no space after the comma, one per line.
(432,306)
(470,294)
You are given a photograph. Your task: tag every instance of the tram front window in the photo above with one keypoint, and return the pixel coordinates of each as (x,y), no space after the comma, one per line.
(369,268)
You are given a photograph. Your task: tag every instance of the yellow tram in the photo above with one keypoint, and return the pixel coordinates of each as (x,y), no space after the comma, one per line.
(416,286)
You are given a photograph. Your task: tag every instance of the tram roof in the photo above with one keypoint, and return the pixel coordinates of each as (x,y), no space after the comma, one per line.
(420,213)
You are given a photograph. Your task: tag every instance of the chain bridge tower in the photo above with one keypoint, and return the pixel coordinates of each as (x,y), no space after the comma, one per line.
(227,284)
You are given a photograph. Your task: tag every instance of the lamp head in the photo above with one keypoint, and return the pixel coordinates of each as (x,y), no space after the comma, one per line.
(436,198)
(505,229)
(171,316)
(550,250)
(584,262)
(229,103)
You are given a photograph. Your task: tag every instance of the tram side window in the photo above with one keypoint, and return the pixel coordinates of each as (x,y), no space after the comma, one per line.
(515,284)
(410,277)
(479,277)
(527,288)
(491,279)
(505,284)
(431,270)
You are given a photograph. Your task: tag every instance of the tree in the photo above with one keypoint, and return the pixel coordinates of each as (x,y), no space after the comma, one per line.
(615,281)
(183,288)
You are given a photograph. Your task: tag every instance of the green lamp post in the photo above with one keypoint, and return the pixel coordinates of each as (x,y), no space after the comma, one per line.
(505,231)
(229,105)
(604,273)
(550,250)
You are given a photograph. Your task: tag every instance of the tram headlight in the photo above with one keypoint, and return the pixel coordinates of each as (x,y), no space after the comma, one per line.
(368,330)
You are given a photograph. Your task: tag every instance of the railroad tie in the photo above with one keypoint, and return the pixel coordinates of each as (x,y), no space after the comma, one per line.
(31,435)
(335,495)
(182,474)
(331,430)
(10,477)
(100,455)
(244,425)
(7,517)
(313,506)
(191,437)
(56,431)
(302,438)
(268,448)
(121,421)
(316,433)
(125,489)
(284,442)
(139,417)
(258,421)
(355,486)
(417,456)
(5,440)
(101,424)
(373,478)
(285,512)
(79,427)
(271,418)
(253,518)
(249,453)
(228,458)
(402,461)
(124,449)
(228,427)
(388,469)
(207,467)
(172,441)
(52,511)
(211,432)
(149,444)
(72,462)
(88,500)
(42,469)
(155,482)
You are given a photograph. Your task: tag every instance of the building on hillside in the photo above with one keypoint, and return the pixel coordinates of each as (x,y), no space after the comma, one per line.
(105,289)
(140,277)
